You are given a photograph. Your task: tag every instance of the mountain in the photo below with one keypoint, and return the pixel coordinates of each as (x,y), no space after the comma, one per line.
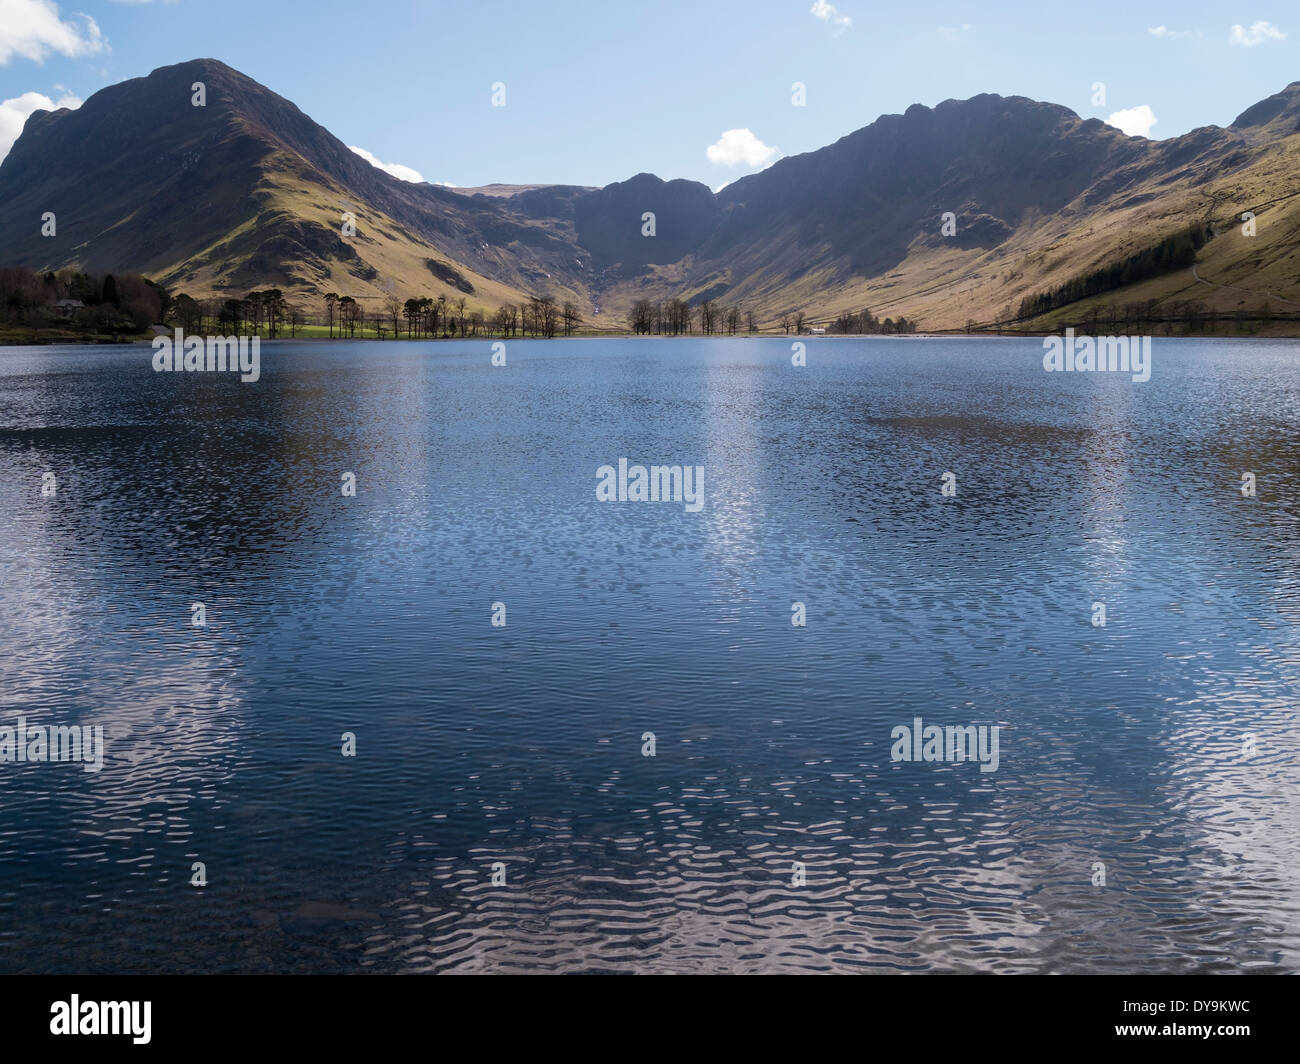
(248,192)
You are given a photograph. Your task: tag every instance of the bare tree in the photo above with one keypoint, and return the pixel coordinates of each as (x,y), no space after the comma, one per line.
(393,308)
(550,316)
(708,317)
(639,316)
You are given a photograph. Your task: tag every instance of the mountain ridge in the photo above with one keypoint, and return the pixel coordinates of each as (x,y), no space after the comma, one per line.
(249,191)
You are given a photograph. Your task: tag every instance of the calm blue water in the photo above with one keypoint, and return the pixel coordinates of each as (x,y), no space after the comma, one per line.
(1122,745)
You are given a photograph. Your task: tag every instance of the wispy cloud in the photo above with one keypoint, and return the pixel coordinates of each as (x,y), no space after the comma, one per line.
(14,114)
(1164,31)
(830,14)
(1258,33)
(1134,121)
(739,146)
(403,173)
(32,29)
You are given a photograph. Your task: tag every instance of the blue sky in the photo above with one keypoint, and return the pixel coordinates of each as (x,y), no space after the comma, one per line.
(598,90)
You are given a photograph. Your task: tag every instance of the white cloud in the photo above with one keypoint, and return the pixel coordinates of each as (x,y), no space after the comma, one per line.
(1164,31)
(740,146)
(1135,121)
(404,173)
(830,14)
(14,113)
(954,31)
(1258,33)
(721,187)
(33,29)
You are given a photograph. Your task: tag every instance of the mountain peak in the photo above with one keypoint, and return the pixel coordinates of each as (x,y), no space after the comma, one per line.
(1283,105)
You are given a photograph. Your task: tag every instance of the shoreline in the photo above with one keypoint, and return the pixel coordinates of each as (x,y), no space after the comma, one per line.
(793,337)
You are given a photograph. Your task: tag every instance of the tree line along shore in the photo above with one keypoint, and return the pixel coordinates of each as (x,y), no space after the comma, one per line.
(74,306)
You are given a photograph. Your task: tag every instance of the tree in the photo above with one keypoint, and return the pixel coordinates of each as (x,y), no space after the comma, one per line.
(548,316)
(278,307)
(331,303)
(572,319)
(677,317)
(187,313)
(231,317)
(639,316)
(708,317)
(347,314)
(393,308)
(255,307)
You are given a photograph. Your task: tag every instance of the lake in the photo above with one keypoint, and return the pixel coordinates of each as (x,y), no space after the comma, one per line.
(497,809)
